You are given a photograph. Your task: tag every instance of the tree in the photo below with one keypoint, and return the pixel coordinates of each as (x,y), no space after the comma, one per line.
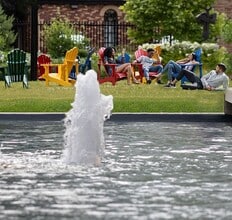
(155,19)
(227,31)
(58,37)
(7,36)
(18,8)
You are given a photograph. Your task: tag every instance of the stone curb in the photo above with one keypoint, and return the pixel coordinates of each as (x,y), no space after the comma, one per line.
(125,117)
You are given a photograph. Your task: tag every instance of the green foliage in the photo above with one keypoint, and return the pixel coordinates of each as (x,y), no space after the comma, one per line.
(216,30)
(58,37)
(212,53)
(7,36)
(20,8)
(226,30)
(157,18)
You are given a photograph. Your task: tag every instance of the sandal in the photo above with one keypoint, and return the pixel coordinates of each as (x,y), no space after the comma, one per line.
(135,81)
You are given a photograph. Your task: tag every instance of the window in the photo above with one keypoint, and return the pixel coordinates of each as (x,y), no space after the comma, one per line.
(110,28)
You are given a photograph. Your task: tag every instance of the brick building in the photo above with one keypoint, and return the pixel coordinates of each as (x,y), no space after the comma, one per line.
(101,21)
(80,10)
(224,6)
(110,22)
(92,14)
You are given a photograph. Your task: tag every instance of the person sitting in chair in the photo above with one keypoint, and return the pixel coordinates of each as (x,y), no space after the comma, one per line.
(173,67)
(109,58)
(214,80)
(148,64)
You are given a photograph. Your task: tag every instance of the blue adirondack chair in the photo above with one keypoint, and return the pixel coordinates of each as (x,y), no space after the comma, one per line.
(82,68)
(198,53)
(17,69)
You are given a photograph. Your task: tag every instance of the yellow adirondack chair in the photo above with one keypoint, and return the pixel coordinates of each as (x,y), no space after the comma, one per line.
(61,77)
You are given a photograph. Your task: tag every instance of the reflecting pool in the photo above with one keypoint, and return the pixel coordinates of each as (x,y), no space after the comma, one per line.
(155,170)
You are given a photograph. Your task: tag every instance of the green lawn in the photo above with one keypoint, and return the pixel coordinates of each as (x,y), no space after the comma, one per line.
(133,98)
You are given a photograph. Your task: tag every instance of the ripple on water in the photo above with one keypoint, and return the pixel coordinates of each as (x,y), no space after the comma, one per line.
(149,171)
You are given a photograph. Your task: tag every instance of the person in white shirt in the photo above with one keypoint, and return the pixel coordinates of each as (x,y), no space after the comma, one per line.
(149,64)
(214,80)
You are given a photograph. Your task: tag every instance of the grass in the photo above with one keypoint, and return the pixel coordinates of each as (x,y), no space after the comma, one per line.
(133,98)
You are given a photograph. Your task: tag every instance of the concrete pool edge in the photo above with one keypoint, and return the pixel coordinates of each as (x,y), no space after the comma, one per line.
(124,117)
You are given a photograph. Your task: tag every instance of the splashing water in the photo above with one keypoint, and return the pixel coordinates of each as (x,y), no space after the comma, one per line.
(83,137)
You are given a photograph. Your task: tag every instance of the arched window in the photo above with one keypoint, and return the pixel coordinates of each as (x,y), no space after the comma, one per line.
(110,28)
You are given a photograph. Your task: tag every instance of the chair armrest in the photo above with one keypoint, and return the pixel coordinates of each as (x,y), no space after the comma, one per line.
(51,65)
(3,69)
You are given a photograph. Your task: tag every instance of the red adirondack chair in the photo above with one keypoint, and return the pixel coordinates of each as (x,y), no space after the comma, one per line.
(141,52)
(114,77)
(42,59)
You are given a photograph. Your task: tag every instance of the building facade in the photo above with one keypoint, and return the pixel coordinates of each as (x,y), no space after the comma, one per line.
(224,6)
(101,21)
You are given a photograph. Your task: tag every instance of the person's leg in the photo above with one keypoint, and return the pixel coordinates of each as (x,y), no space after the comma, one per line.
(123,69)
(146,75)
(157,68)
(131,73)
(167,66)
(174,68)
(126,68)
(171,67)
(190,76)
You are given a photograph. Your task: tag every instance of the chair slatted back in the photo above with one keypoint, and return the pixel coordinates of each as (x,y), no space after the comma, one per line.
(157,48)
(42,59)
(16,61)
(140,52)
(69,61)
(101,54)
(101,58)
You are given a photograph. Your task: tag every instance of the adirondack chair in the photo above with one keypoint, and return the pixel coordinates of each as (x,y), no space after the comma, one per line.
(61,77)
(141,52)
(198,53)
(17,69)
(87,65)
(42,59)
(114,77)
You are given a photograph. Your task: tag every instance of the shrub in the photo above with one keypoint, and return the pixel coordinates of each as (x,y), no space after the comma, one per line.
(60,36)
(7,36)
(212,53)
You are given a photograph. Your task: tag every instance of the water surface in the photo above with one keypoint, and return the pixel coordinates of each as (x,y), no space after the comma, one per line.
(149,171)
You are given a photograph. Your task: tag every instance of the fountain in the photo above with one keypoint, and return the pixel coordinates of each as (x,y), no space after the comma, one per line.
(83,137)
(151,169)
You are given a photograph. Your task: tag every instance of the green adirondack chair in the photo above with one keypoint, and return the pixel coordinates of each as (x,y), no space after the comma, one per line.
(17,69)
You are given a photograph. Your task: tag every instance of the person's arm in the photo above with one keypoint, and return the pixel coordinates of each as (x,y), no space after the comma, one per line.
(204,80)
(105,60)
(224,86)
(194,62)
(139,59)
(182,61)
